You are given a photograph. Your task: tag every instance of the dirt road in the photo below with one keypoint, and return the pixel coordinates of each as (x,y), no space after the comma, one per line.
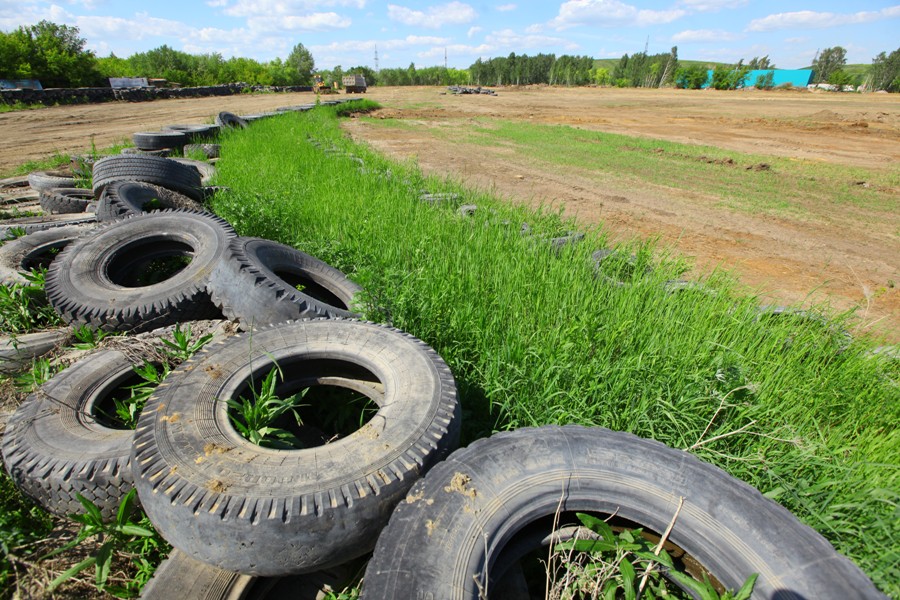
(788,261)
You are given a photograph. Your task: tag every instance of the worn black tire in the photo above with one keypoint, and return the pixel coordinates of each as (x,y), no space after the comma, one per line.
(180,576)
(65,200)
(45,180)
(55,446)
(149,169)
(33,224)
(126,198)
(210,150)
(195,132)
(206,170)
(471,509)
(159,140)
(96,280)
(257,511)
(257,281)
(17,352)
(38,249)
(227,119)
(138,152)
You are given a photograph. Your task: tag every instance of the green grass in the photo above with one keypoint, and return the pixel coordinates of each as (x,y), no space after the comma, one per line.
(60,159)
(19,105)
(535,337)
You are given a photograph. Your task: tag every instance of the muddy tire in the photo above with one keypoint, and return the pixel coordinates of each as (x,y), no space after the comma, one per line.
(45,180)
(234,505)
(485,505)
(206,170)
(35,250)
(209,150)
(159,140)
(126,198)
(17,352)
(149,169)
(65,200)
(259,282)
(59,444)
(180,576)
(226,119)
(140,273)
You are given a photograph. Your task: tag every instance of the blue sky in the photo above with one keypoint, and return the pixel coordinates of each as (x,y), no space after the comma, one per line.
(347,32)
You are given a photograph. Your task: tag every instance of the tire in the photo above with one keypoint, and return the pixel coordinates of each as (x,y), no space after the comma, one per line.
(209,150)
(159,140)
(226,119)
(180,576)
(257,511)
(57,445)
(148,169)
(45,180)
(122,199)
(195,132)
(100,280)
(257,284)
(35,250)
(65,200)
(17,352)
(33,224)
(138,152)
(205,169)
(489,503)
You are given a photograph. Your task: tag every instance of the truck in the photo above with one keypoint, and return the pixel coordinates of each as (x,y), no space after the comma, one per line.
(355,84)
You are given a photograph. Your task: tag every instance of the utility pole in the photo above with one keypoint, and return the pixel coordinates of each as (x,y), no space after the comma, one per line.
(445,57)
(376,58)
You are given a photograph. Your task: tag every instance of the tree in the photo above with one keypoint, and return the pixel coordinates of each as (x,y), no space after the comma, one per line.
(827,62)
(300,63)
(885,72)
(51,53)
(691,78)
(760,63)
(729,78)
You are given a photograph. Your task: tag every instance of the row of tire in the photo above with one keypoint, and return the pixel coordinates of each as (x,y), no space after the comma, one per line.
(232,507)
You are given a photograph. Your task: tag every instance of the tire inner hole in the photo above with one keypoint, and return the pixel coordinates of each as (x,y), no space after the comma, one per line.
(331,400)
(527,566)
(149,262)
(110,407)
(303,283)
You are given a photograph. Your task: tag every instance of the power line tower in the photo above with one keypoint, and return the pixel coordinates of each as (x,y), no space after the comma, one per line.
(376,58)
(445,57)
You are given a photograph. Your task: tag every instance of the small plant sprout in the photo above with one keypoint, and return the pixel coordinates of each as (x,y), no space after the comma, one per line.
(130,532)
(129,409)
(255,418)
(88,338)
(182,346)
(41,371)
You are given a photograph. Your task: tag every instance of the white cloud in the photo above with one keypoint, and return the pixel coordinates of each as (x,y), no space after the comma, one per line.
(711,5)
(88,4)
(507,7)
(472,31)
(609,13)
(217,3)
(508,39)
(808,19)
(434,17)
(456,50)
(369,45)
(705,35)
(271,8)
(313,22)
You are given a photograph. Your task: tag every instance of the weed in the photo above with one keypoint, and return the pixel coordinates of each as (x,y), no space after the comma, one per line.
(182,346)
(87,337)
(131,533)
(128,410)
(255,418)
(624,565)
(23,306)
(31,379)
(21,524)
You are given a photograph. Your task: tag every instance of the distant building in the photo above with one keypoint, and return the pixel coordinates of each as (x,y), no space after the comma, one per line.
(20,84)
(795,77)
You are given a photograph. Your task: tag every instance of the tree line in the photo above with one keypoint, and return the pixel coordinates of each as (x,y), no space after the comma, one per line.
(56,55)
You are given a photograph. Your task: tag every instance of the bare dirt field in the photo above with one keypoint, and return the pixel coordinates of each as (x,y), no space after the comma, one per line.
(788,261)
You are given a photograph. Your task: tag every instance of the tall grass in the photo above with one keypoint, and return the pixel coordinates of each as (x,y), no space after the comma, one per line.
(535,336)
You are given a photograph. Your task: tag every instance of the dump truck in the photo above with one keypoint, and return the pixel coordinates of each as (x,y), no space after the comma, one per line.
(355,84)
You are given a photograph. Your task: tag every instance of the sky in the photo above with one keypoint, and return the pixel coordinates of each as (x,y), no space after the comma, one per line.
(350,32)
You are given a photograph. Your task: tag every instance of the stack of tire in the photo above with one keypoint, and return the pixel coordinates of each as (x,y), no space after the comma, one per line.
(248,521)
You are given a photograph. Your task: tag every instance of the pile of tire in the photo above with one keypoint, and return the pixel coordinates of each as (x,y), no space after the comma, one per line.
(250,521)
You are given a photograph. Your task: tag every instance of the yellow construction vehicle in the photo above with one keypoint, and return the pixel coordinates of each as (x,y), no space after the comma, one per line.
(320,87)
